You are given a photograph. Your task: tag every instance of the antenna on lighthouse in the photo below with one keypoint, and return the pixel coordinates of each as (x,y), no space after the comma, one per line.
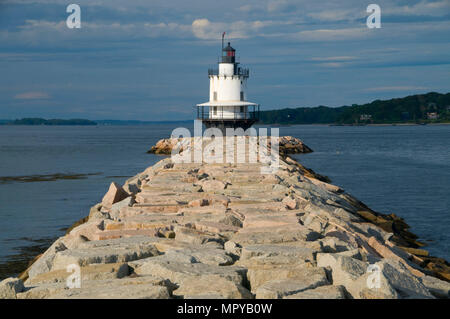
(223,36)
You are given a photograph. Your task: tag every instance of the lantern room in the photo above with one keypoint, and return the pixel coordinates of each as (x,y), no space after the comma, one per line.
(228,54)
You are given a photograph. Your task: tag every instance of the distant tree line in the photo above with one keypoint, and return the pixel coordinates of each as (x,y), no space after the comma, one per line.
(422,108)
(40,121)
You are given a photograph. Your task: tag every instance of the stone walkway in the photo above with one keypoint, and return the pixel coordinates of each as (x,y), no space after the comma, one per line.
(228,231)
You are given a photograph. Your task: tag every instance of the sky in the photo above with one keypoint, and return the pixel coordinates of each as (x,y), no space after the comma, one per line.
(148,59)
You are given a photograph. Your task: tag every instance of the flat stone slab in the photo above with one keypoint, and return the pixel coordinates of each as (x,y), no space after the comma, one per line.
(91,272)
(125,233)
(260,273)
(214,227)
(324,292)
(136,241)
(202,254)
(274,235)
(276,289)
(176,271)
(197,237)
(303,254)
(106,252)
(211,285)
(269,220)
(146,287)
(210,256)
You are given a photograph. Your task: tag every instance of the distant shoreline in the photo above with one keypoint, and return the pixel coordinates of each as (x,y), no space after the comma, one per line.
(391,124)
(74,122)
(357,125)
(257,124)
(427,108)
(41,121)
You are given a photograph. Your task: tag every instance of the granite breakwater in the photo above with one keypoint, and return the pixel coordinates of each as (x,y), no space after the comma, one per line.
(210,230)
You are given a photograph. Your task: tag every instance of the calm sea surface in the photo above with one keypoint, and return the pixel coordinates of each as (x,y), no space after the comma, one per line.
(393,169)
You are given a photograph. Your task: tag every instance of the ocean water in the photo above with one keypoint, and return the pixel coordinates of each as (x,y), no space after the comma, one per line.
(393,169)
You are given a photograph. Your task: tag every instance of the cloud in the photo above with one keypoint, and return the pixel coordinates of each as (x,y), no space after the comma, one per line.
(334,58)
(337,15)
(333,34)
(207,30)
(332,64)
(334,61)
(32,96)
(423,8)
(282,19)
(44,33)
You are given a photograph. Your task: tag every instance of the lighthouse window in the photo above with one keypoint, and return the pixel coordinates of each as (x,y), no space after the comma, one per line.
(242,96)
(215,110)
(215,96)
(242,109)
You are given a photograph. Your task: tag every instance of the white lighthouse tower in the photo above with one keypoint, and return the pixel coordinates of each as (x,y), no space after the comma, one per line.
(228,105)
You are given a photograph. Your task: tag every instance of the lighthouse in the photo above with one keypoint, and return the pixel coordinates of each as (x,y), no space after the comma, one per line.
(228,106)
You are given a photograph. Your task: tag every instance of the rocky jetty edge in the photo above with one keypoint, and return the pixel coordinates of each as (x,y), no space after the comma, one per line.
(228,231)
(287,145)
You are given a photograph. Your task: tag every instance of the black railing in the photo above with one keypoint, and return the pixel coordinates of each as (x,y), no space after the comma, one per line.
(209,113)
(236,60)
(242,71)
(238,71)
